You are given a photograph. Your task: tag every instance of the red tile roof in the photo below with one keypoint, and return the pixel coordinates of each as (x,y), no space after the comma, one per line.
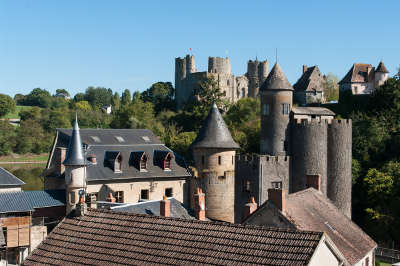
(359,73)
(105,237)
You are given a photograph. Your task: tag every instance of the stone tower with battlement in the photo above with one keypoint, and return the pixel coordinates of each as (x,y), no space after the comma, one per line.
(75,164)
(234,87)
(257,72)
(214,155)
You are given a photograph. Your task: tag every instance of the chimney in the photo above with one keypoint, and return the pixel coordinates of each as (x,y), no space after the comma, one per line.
(249,208)
(59,157)
(277,196)
(314,181)
(200,205)
(92,158)
(305,68)
(110,197)
(165,207)
(81,208)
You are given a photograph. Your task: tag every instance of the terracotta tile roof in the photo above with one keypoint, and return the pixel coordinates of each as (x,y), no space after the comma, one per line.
(310,80)
(317,213)
(105,237)
(359,73)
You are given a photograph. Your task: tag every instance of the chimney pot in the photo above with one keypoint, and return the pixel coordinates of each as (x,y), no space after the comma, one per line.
(165,207)
(92,158)
(249,208)
(277,196)
(314,181)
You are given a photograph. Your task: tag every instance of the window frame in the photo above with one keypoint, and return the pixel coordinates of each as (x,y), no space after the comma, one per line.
(142,192)
(119,196)
(169,195)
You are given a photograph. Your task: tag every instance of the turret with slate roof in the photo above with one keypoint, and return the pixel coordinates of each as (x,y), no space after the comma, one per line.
(75,172)
(381,74)
(214,153)
(276,103)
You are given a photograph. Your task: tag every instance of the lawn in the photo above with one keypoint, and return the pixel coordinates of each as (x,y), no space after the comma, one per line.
(24,158)
(15,114)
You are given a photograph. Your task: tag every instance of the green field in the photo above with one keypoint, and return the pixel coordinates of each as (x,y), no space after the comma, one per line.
(24,158)
(380,263)
(15,114)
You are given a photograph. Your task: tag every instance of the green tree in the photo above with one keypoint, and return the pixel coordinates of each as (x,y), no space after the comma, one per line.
(33,113)
(62,91)
(98,97)
(7,138)
(126,97)
(83,106)
(39,97)
(7,104)
(32,138)
(116,101)
(331,87)
(79,97)
(161,94)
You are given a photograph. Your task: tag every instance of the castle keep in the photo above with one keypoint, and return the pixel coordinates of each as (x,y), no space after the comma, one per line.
(297,144)
(235,88)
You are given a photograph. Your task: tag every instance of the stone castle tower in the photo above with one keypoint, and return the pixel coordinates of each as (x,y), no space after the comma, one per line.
(214,155)
(75,164)
(234,87)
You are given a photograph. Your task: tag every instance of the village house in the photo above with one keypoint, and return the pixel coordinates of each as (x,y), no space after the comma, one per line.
(309,89)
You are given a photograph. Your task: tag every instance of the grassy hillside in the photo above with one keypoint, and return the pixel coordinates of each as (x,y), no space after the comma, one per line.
(15,114)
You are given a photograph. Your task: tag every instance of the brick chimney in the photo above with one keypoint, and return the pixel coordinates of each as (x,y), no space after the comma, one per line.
(200,205)
(314,181)
(277,196)
(305,68)
(110,197)
(249,208)
(59,157)
(92,158)
(165,207)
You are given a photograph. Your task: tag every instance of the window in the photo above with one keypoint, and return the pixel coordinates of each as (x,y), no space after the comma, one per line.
(285,108)
(265,109)
(117,163)
(168,192)
(277,185)
(247,186)
(233,160)
(92,197)
(72,197)
(227,82)
(243,92)
(219,160)
(119,196)
(367,261)
(146,138)
(167,162)
(144,194)
(202,159)
(143,162)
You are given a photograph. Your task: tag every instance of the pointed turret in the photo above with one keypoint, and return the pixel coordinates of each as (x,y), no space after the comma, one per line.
(214,133)
(75,152)
(381,68)
(276,80)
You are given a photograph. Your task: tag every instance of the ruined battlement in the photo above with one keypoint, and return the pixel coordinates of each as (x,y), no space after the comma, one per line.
(340,122)
(257,158)
(219,65)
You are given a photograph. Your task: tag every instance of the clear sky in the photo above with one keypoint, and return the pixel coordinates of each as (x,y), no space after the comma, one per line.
(132,44)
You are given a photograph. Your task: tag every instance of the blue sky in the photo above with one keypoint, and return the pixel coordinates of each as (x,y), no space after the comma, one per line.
(132,44)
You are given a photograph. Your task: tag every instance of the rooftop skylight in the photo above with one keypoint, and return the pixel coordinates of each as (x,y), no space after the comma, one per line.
(95,139)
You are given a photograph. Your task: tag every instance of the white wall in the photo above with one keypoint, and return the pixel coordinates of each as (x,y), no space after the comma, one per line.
(324,255)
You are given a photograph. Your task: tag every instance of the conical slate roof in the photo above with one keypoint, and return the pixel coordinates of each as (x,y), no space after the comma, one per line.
(214,133)
(75,152)
(381,68)
(276,80)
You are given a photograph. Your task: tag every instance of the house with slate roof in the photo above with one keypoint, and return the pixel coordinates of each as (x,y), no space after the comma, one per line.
(102,237)
(309,89)
(121,165)
(364,78)
(9,182)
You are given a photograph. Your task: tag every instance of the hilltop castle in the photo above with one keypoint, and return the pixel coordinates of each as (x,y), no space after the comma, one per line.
(297,144)
(235,88)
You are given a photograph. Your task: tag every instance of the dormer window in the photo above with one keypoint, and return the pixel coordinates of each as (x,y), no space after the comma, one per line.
(143,162)
(167,162)
(113,159)
(117,163)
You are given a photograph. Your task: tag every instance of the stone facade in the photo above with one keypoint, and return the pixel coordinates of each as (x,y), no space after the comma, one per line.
(234,87)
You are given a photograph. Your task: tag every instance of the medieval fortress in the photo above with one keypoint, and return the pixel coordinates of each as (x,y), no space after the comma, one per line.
(300,147)
(235,88)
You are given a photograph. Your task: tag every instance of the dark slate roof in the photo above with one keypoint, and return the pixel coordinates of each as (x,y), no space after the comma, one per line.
(317,213)
(23,201)
(214,133)
(276,80)
(381,68)
(106,237)
(109,147)
(359,73)
(178,209)
(312,111)
(75,153)
(8,179)
(310,80)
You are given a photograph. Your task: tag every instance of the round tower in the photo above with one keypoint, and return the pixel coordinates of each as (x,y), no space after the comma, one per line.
(276,102)
(309,149)
(75,170)
(180,75)
(252,75)
(381,75)
(190,64)
(263,71)
(219,65)
(340,164)
(214,155)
